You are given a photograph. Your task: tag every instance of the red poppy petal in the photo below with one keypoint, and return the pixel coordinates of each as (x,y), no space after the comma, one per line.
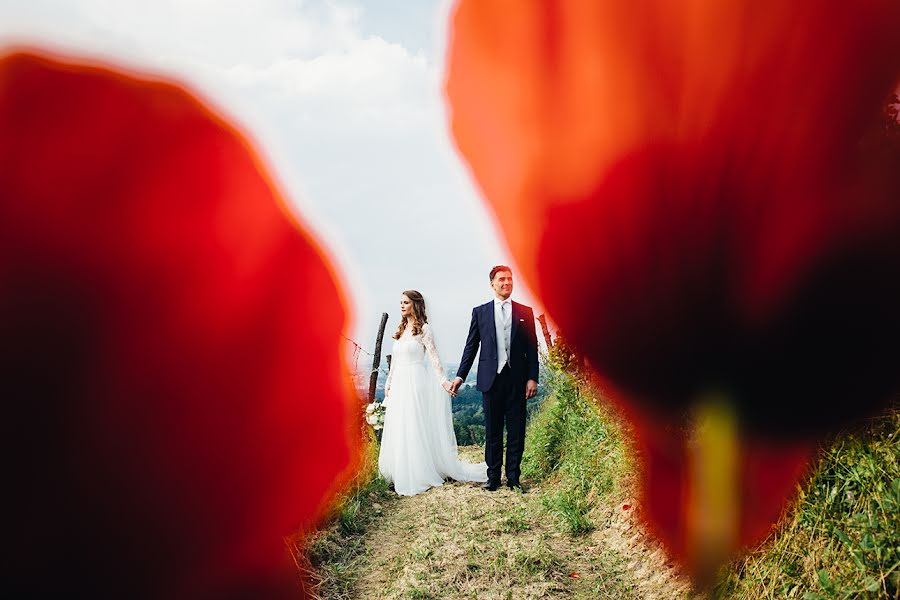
(697,192)
(766,476)
(171,343)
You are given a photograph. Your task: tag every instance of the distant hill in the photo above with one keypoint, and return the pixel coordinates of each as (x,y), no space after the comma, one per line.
(468,413)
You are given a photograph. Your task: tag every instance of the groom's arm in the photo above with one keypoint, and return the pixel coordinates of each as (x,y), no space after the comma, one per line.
(531,356)
(472,343)
(531,352)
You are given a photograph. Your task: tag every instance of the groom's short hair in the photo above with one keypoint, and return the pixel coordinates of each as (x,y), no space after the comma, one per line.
(499,268)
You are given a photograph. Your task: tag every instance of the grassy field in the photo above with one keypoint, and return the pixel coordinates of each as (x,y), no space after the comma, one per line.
(573,535)
(576,533)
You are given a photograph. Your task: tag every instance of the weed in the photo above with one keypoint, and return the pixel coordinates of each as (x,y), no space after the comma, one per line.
(514,520)
(418,594)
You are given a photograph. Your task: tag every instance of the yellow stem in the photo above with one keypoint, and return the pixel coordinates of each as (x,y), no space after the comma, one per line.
(713,492)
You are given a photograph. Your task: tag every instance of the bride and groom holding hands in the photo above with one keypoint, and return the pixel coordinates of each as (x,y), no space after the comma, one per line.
(418,444)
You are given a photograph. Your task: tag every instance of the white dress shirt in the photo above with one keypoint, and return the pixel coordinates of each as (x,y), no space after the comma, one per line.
(504,329)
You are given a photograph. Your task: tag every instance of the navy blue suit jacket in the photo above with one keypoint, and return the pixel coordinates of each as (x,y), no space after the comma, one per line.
(523,357)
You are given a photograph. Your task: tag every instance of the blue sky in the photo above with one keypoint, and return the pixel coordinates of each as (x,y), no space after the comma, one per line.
(415,25)
(344,99)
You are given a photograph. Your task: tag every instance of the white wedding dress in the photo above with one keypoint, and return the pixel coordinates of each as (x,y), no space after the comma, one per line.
(418,444)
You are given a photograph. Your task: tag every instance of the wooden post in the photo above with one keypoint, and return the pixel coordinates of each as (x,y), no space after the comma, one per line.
(543,320)
(376,360)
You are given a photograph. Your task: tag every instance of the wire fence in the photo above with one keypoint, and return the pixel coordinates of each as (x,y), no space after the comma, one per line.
(361,377)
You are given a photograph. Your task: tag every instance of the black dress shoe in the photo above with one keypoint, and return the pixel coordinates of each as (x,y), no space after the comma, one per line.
(491,486)
(515,486)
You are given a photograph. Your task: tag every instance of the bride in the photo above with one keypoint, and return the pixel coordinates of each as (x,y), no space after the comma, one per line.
(418,445)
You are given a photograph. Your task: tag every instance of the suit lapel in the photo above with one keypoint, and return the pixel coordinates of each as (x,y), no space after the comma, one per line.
(515,322)
(489,317)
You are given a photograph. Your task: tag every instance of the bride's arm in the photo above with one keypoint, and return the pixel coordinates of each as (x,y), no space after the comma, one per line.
(431,350)
(387,383)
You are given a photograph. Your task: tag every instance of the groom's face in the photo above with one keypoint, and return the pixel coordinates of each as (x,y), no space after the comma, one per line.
(502,284)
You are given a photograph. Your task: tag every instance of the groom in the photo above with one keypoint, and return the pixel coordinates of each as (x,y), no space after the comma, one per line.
(507,374)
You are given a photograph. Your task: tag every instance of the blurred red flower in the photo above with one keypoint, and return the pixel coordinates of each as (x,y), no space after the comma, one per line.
(698,192)
(170,352)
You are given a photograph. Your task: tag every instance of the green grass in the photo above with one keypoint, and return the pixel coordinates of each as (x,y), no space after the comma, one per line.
(418,593)
(841,539)
(577,446)
(514,520)
(571,508)
(539,560)
(330,558)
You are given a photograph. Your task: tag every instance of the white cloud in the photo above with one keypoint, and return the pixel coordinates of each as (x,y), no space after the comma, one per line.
(353,125)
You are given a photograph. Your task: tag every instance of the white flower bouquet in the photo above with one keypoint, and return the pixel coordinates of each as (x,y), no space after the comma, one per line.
(375,415)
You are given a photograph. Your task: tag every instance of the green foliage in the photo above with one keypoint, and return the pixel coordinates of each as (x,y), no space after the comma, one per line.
(476,435)
(841,539)
(468,417)
(329,558)
(575,444)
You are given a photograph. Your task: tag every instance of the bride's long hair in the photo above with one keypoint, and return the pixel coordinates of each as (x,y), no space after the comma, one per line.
(420,318)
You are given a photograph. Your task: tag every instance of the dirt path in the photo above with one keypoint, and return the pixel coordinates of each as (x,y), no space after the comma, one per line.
(459,541)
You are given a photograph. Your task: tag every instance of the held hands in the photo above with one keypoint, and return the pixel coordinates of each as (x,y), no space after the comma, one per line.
(451,387)
(454,386)
(530,389)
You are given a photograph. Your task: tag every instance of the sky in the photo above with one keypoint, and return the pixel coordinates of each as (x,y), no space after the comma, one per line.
(344,100)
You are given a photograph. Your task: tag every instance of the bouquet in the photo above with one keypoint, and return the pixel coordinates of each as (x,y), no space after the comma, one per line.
(375,415)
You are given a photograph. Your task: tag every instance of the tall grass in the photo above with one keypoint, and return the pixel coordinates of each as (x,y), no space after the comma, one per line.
(841,539)
(577,446)
(330,558)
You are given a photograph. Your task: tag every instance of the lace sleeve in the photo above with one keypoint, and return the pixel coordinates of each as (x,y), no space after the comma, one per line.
(431,350)
(387,383)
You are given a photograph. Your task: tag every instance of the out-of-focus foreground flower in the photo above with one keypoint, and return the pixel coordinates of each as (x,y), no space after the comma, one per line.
(697,191)
(175,401)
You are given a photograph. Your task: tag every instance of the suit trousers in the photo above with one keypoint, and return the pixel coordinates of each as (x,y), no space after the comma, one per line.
(504,401)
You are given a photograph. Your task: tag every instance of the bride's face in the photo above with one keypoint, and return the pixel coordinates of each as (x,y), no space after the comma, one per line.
(406,307)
